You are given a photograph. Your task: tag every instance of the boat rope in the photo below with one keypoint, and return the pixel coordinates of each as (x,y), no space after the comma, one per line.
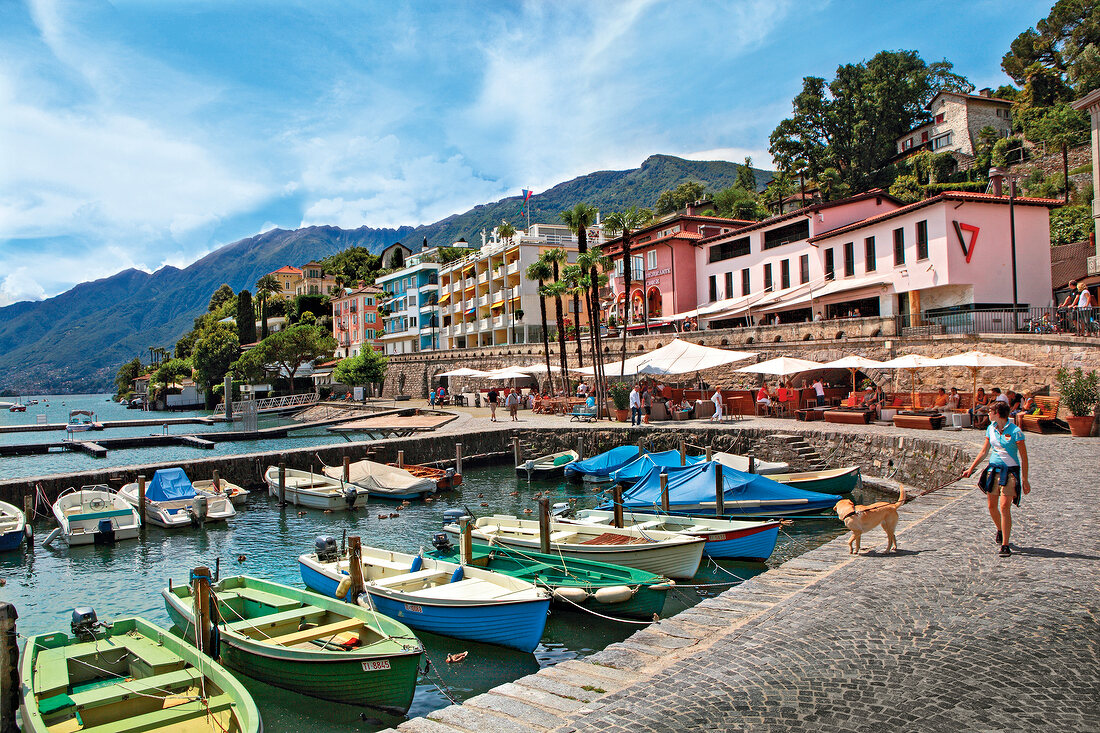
(217,601)
(168,694)
(198,632)
(596,613)
(439,683)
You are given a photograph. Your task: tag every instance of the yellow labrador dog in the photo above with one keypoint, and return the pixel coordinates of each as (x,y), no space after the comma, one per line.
(860,519)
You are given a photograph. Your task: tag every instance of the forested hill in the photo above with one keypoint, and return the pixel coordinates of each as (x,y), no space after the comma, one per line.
(74,342)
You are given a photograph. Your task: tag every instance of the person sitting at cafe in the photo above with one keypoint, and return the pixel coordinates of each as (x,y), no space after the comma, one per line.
(1023,406)
(763,398)
(940,405)
(870,399)
(953,400)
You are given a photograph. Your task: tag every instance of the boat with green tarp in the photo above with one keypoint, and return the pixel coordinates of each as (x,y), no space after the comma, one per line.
(304,642)
(128,676)
(611,589)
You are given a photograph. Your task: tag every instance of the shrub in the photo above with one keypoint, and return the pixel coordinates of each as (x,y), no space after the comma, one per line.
(620,395)
(1080,390)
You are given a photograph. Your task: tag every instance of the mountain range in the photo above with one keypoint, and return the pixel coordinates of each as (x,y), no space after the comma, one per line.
(74,342)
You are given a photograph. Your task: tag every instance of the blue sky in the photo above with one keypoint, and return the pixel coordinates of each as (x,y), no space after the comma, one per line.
(138,134)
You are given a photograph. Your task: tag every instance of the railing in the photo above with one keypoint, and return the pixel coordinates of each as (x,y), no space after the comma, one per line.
(1082,321)
(272,404)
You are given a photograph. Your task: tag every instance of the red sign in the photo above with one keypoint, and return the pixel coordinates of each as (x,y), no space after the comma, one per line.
(967,248)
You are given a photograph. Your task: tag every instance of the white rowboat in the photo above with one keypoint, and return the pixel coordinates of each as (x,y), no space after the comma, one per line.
(315,490)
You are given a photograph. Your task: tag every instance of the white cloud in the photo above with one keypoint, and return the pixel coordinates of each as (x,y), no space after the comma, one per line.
(19,285)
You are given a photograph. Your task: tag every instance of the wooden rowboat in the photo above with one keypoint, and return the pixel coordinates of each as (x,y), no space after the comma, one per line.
(308,643)
(382,481)
(830,481)
(662,553)
(315,490)
(546,466)
(128,676)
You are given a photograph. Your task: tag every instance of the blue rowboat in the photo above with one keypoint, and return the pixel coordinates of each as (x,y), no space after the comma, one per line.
(433,595)
(640,466)
(13,526)
(599,467)
(691,490)
(729,539)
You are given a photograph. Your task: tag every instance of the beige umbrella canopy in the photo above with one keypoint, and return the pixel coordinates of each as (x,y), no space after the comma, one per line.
(852,363)
(463,372)
(911,363)
(783,366)
(976,360)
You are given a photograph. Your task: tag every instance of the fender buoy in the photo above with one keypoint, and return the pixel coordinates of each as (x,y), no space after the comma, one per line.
(343,587)
(614,594)
(576,595)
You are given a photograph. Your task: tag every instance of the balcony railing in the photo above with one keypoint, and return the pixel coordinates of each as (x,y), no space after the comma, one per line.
(483,278)
(1084,321)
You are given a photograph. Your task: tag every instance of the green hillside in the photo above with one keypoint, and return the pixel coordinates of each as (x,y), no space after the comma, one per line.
(75,341)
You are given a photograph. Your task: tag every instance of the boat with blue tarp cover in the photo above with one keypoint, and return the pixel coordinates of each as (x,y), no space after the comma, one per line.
(640,466)
(599,467)
(691,490)
(171,501)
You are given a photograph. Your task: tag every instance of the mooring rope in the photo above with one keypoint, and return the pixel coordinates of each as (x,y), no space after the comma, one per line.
(596,613)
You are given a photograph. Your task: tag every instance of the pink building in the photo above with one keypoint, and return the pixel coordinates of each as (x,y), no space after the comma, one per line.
(355,320)
(664,258)
(871,255)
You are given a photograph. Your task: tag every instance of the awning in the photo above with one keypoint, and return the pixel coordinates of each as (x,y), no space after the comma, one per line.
(833,287)
(444,299)
(468,268)
(470,310)
(497,303)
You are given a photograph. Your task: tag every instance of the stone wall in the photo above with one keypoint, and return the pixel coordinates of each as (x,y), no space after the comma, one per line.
(818,341)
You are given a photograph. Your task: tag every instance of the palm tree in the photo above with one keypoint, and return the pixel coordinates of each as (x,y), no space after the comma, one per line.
(623,222)
(540,272)
(505,231)
(555,288)
(266,286)
(578,219)
(593,266)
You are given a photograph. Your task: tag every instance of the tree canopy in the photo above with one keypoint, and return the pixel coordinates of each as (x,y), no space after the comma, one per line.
(127,373)
(369,367)
(1065,44)
(353,264)
(679,197)
(246,318)
(221,296)
(215,351)
(283,352)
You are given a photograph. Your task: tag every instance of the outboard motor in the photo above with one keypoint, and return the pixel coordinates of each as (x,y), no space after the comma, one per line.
(451,516)
(199,507)
(561,509)
(350,495)
(84,622)
(105,532)
(442,542)
(327,551)
(449,473)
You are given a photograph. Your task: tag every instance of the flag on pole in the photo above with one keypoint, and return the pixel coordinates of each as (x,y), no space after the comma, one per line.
(526,195)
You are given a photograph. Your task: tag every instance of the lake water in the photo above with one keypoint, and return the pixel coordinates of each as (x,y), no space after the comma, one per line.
(56,409)
(126,579)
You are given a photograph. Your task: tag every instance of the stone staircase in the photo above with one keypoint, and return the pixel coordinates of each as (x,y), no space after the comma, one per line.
(806,453)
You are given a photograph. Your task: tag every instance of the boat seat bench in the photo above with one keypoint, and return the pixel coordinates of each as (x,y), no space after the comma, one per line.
(302,613)
(398,580)
(279,603)
(317,632)
(165,718)
(180,678)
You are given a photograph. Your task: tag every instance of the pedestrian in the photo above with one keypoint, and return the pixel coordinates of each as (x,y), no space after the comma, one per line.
(494,398)
(647,404)
(716,398)
(1084,310)
(1006,473)
(512,401)
(819,392)
(636,405)
(431,398)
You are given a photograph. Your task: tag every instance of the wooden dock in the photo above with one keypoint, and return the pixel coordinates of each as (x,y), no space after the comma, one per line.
(107,424)
(99,447)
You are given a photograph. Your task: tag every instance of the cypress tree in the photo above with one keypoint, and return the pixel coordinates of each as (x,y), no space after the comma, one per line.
(246,318)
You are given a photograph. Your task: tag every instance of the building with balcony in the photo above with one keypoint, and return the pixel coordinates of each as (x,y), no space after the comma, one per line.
(290,280)
(955,120)
(411,320)
(485,298)
(355,320)
(1091,103)
(869,254)
(310,279)
(663,273)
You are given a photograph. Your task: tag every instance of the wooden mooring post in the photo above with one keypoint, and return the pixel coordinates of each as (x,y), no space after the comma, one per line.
(617,510)
(683,452)
(282,484)
(217,480)
(347,469)
(10,689)
(710,454)
(517,451)
(664,492)
(580,447)
(141,501)
(28,514)
(458,458)
(465,541)
(544,526)
(719,491)
(200,588)
(400,459)
(752,462)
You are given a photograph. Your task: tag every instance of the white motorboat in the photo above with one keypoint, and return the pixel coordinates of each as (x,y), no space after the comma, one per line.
(171,501)
(384,481)
(13,525)
(94,514)
(546,466)
(238,495)
(81,421)
(315,490)
(670,554)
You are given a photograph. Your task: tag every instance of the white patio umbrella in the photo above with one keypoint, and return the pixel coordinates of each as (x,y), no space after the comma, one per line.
(911,363)
(852,363)
(976,360)
(463,372)
(507,373)
(538,369)
(782,366)
(677,357)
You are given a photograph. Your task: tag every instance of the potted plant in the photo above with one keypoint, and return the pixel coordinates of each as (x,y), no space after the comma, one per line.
(620,397)
(1080,392)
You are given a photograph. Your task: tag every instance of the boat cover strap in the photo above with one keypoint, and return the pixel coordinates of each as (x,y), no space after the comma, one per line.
(609,538)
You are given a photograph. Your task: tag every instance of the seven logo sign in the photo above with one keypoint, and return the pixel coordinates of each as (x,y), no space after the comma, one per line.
(968,249)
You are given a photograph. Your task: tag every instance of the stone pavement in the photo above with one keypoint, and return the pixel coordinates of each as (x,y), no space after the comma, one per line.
(944,635)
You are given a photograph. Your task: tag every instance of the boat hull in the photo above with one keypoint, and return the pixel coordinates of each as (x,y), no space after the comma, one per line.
(87,528)
(313,499)
(729,540)
(15,527)
(11,540)
(516,625)
(840,483)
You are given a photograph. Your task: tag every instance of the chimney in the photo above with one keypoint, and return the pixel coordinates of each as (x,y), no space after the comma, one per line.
(996,180)
(987,92)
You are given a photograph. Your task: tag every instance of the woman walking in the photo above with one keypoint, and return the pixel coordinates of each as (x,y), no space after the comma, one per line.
(716,398)
(1006,473)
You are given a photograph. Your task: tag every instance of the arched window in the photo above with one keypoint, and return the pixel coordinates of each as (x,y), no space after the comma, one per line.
(655,310)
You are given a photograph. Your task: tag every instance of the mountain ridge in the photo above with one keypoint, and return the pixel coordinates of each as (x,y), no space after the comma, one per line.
(75,341)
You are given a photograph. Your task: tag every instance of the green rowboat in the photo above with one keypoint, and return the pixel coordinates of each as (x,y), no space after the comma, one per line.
(614,590)
(829,481)
(128,676)
(304,642)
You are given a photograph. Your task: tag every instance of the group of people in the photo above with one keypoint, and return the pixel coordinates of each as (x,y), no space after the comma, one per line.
(511,399)
(1078,307)
(642,397)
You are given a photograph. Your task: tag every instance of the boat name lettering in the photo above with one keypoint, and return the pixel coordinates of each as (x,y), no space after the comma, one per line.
(376,665)
(414,608)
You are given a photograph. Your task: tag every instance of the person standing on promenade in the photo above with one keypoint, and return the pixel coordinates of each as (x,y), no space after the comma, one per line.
(819,392)
(494,398)
(512,401)
(647,404)
(1006,473)
(636,405)
(717,399)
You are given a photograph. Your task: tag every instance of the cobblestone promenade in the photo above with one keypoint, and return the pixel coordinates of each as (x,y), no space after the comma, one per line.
(943,636)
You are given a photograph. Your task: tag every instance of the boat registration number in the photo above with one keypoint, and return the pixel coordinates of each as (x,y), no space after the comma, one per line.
(413,608)
(376,665)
